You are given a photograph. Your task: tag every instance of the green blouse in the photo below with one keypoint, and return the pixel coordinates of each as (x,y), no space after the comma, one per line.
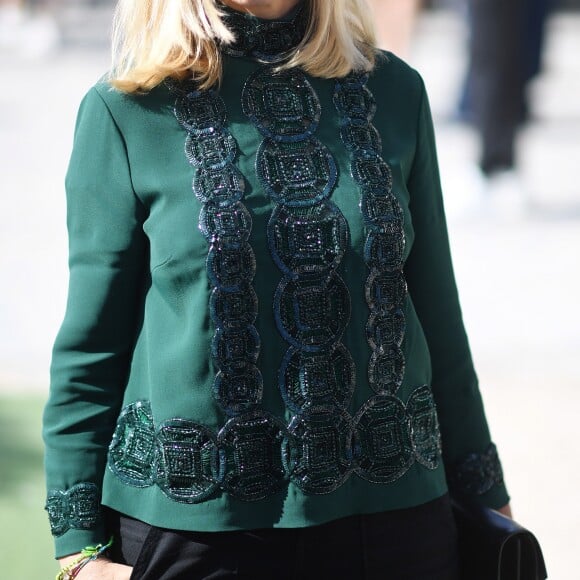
(262,327)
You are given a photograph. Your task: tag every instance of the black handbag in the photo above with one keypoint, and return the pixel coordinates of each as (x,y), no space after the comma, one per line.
(494,547)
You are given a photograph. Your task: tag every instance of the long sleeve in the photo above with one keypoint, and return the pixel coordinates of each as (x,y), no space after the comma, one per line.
(92,352)
(470,458)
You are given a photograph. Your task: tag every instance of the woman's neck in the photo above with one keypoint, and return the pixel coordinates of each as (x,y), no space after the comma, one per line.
(266,9)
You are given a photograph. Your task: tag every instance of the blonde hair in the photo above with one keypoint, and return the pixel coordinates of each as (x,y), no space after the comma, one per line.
(157,39)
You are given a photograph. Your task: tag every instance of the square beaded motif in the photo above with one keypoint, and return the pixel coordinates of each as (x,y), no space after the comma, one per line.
(183,461)
(385,439)
(282,103)
(321,448)
(311,308)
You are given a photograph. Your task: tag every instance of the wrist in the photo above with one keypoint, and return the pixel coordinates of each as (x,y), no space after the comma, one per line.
(72,565)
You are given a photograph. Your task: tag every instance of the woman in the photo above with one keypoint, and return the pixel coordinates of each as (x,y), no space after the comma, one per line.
(262,315)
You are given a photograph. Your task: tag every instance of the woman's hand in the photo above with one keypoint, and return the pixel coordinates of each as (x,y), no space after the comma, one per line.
(506,510)
(100,569)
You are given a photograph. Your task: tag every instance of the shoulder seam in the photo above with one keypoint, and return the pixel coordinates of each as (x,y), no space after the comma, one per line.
(97,90)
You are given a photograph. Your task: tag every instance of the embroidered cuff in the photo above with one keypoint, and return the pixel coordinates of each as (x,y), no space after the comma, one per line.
(76,508)
(478,473)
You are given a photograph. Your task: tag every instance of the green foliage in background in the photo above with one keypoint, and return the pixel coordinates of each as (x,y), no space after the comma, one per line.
(25,541)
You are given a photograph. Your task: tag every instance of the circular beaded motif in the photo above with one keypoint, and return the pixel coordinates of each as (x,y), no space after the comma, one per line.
(283,106)
(311,241)
(250,456)
(187,467)
(132,450)
(383,445)
(297,174)
(318,450)
(312,313)
(312,379)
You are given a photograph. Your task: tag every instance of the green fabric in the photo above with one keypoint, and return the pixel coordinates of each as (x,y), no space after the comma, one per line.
(137,325)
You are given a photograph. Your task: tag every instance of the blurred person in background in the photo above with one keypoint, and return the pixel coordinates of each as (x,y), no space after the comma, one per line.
(263,370)
(11,17)
(28,27)
(505,47)
(395,22)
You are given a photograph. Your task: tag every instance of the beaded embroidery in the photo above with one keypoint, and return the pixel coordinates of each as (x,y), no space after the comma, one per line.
(312,314)
(251,456)
(312,379)
(308,236)
(297,174)
(191,464)
(478,472)
(77,508)
(249,464)
(132,449)
(383,442)
(385,288)
(318,450)
(255,454)
(265,40)
(389,436)
(424,426)
(186,460)
(311,241)
(284,106)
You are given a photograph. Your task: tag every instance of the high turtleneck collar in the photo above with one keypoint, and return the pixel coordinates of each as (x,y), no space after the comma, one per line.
(265,40)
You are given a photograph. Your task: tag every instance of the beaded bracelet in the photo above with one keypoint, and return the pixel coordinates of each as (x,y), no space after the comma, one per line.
(88,554)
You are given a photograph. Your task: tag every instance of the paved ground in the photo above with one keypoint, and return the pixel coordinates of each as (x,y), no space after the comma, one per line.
(518,274)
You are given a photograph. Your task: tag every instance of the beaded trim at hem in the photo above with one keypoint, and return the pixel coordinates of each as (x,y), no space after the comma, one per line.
(190,463)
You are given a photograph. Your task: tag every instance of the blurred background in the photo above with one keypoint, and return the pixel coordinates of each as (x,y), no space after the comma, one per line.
(505,94)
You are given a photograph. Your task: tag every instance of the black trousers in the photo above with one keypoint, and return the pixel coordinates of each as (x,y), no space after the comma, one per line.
(497,77)
(413,544)
(505,50)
